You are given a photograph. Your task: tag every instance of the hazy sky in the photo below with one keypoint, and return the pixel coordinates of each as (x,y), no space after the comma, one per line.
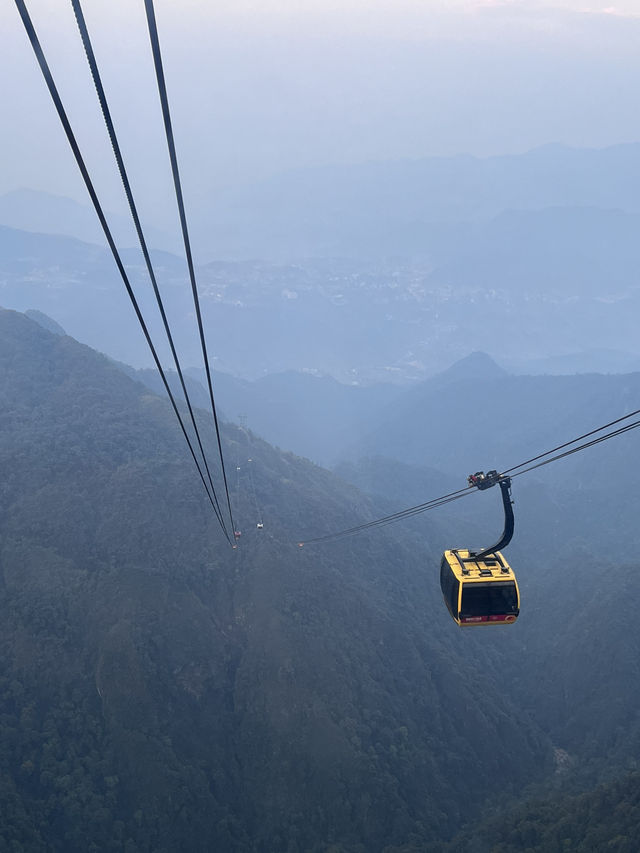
(257,86)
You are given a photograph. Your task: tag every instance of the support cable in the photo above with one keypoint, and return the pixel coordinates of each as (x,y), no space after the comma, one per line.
(106,113)
(164,100)
(573,441)
(396,516)
(437,502)
(620,431)
(53,91)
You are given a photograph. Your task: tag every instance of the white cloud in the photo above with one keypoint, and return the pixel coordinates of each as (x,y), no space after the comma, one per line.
(617,12)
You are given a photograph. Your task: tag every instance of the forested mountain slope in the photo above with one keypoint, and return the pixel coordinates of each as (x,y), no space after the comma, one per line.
(314,416)
(474,414)
(159,691)
(606,818)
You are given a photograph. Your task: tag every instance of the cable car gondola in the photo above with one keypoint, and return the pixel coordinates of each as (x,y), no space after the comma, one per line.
(479,587)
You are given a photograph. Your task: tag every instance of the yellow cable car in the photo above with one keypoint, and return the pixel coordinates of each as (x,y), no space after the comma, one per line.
(480,588)
(479,591)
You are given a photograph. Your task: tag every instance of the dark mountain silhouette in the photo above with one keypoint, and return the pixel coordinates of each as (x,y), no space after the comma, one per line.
(477,366)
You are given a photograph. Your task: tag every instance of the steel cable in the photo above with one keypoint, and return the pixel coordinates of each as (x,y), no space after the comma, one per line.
(106,113)
(164,100)
(55,96)
(437,502)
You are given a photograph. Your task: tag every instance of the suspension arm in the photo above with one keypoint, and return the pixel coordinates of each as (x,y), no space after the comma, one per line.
(507,533)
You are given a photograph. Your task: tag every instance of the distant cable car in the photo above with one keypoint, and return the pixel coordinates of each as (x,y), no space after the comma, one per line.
(479,587)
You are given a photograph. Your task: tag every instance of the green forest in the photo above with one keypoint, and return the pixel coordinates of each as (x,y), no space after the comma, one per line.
(606,818)
(160,691)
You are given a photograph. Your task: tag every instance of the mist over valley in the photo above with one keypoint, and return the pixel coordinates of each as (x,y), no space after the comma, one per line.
(538,285)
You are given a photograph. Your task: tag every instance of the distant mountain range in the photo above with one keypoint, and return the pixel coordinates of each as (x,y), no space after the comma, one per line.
(45,213)
(473,414)
(360,322)
(378,273)
(419,209)
(410,208)
(477,416)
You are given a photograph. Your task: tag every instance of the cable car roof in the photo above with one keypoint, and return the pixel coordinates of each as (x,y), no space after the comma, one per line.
(467,569)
